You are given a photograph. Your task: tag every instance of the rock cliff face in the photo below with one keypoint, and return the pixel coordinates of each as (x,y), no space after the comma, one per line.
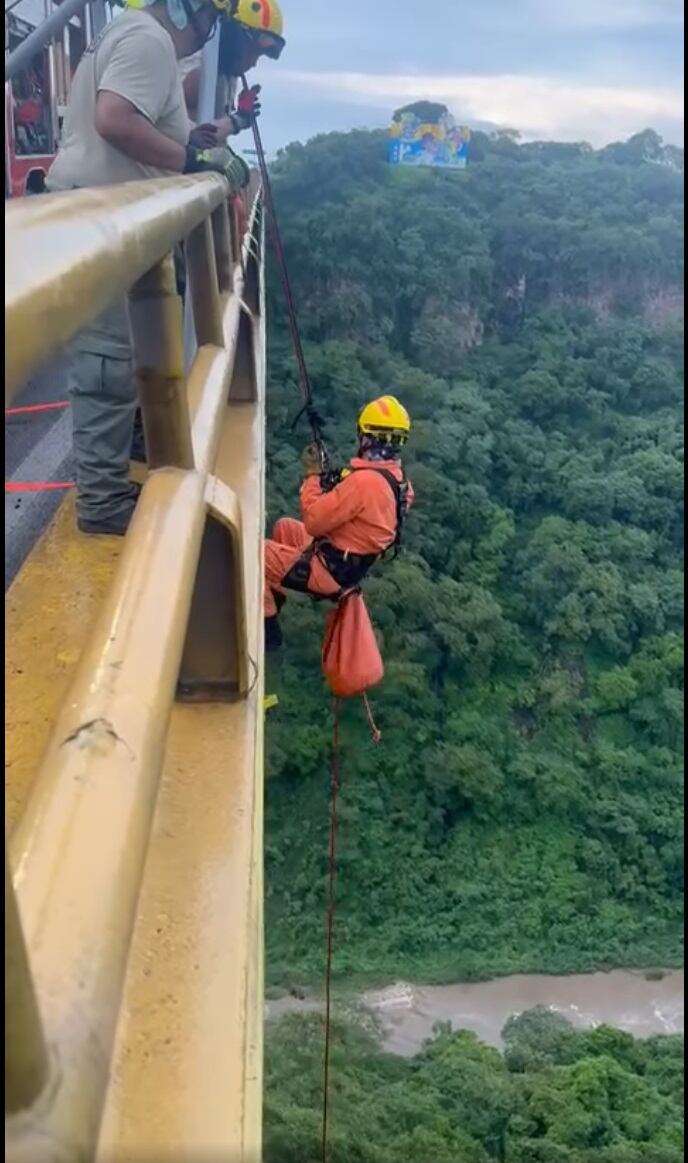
(665,305)
(658,306)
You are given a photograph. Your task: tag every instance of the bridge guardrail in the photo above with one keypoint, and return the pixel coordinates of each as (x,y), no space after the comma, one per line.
(173,622)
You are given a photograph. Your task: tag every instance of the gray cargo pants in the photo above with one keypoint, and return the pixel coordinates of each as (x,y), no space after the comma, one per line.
(103,398)
(104,405)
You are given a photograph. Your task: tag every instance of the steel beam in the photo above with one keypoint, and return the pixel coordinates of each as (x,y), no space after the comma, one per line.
(59,247)
(79,849)
(203,285)
(26,1054)
(41,36)
(156,324)
(80,846)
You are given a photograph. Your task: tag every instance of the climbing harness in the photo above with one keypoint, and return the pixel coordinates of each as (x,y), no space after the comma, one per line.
(346,568)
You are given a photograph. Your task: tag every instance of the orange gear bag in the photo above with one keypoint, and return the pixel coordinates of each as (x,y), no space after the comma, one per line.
(351,658)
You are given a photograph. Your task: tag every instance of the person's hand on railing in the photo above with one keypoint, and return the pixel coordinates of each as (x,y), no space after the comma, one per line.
(220,160)
(205,136)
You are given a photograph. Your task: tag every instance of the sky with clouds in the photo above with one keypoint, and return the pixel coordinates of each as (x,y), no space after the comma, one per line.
(571,70)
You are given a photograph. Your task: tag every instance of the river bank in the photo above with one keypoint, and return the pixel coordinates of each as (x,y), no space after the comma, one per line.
(640,1003)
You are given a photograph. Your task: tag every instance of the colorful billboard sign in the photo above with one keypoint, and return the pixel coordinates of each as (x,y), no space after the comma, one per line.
(438,142)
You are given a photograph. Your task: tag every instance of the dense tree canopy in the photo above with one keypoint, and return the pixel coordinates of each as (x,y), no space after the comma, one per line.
(556,1096)
(524,809)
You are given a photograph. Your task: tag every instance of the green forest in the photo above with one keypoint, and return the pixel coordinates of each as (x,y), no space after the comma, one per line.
(555,1096)
(523,811)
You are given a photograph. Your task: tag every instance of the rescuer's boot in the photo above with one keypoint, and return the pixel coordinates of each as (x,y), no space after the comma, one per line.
(116,524)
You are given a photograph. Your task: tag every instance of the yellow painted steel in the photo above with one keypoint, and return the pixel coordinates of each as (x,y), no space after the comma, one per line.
(26,1054)
(157,334)
(49,610)
(188,1059)
(69,256)
(205,293)
(93,859)
(78,850)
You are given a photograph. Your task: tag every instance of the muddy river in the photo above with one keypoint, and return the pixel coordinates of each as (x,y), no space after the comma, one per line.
(625,999)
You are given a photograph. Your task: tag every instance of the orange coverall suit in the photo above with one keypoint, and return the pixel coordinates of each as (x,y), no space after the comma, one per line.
(359,515)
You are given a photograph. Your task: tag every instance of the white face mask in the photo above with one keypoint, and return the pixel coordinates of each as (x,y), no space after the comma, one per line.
(178,11)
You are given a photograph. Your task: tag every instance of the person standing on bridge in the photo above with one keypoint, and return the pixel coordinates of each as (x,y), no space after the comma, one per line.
(254,30)
(351,518)
(127,120)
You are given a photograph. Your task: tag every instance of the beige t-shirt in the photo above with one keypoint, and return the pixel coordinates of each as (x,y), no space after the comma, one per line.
(134,57)
(225,88)
(188,64)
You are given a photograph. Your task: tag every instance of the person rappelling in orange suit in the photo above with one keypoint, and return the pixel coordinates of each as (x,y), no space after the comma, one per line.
(350,518)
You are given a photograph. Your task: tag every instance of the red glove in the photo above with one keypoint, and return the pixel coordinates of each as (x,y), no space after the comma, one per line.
(248,107)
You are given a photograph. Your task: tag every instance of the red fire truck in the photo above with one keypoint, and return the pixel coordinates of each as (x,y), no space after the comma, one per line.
(36,96)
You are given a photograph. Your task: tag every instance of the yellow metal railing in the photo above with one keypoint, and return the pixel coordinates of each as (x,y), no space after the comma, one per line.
(175,622)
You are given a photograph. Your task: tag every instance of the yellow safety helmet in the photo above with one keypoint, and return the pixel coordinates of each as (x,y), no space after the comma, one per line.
(179,9)
(385,418)
(263,20)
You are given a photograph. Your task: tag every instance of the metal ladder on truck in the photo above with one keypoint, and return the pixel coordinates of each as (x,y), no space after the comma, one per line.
(44,42)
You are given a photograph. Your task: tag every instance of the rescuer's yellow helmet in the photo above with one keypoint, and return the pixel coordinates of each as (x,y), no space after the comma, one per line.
(386,419)
(263,21)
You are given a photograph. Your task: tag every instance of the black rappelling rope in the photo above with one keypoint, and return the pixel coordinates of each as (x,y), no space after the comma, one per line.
(331,877)
(316,428)
(304,379)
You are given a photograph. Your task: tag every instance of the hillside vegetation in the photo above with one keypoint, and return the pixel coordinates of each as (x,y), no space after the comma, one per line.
(555,1096)
(524,809)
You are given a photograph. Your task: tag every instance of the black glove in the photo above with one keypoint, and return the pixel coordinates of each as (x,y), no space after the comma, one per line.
(204,136)
(220,160)
(311,459)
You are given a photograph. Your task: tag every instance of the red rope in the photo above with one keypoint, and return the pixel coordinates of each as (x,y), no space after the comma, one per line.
(36,486)
(304,378)
(374,730)
(332,858)
(27,409)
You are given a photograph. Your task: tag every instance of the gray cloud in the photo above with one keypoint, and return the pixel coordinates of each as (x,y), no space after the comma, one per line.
(578,69)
